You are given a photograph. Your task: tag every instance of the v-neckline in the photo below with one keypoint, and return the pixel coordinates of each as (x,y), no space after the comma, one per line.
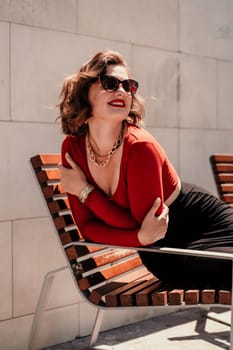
(120,170)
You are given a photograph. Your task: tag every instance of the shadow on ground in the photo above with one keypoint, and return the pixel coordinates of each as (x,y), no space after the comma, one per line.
(114,339)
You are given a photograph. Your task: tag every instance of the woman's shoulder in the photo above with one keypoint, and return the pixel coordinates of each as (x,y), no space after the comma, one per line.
(73,144)
(139,135)
(72,140)
(139,141)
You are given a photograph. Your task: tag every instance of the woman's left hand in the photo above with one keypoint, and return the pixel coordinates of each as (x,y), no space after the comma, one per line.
(154,227)
(73,180)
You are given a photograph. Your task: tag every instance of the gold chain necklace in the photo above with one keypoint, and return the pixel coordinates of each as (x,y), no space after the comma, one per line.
(93,155)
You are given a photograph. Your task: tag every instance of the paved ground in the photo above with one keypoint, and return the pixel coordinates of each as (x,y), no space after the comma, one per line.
(184,330)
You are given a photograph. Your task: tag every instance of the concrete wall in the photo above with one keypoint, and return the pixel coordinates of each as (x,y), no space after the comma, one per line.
(181,51)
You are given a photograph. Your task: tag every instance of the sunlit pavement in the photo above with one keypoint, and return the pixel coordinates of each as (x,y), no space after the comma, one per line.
(183,330)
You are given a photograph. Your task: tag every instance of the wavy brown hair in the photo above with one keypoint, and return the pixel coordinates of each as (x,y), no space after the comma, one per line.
(74,105)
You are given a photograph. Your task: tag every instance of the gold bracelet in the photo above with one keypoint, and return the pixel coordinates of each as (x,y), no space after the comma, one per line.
(85,192)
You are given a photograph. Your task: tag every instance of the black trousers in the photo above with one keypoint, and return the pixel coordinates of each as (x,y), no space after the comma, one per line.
(197,220)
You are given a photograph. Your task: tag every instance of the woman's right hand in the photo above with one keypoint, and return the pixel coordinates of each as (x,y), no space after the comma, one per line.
(153,227)
(73,179)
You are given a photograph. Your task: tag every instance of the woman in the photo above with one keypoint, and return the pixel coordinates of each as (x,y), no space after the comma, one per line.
(121,186)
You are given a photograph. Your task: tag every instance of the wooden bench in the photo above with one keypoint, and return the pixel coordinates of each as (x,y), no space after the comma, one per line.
(109,276)
(222,167)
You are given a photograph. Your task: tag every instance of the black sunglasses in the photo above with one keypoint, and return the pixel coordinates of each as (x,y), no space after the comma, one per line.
(110,83)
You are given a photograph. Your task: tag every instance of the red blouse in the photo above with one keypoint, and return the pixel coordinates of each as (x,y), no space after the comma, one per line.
(145,174)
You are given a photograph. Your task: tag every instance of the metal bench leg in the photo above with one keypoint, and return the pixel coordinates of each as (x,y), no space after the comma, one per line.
(96,327)
(231,332)
(41,305)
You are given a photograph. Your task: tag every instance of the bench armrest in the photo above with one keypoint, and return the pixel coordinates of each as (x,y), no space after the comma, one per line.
(164,250)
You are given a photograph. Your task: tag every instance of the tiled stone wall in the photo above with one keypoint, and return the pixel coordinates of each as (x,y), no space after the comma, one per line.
(181,52)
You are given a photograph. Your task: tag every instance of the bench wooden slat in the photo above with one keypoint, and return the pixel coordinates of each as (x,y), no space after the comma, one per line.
(113,298)
(221,158)
(228,198)
(128,298)
(69,237)
(176,296)
(223,177)
(82,252)
(192,296)
(61,222)
(51,191)
(45,159)
(108,273)
(55,207)
(226,188)
(97,295)
(208,296)
(144,297)
(107,258)
(159,297)
(222,167)
(71,253)
(48,175)
(224,297)
(138,274)
(122,268)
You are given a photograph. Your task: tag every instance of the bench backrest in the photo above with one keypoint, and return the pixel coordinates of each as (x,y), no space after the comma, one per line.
(97,269)
(108,276)
(222,167)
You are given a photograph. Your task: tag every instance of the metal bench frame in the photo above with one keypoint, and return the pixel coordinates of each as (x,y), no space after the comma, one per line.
(49,277)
